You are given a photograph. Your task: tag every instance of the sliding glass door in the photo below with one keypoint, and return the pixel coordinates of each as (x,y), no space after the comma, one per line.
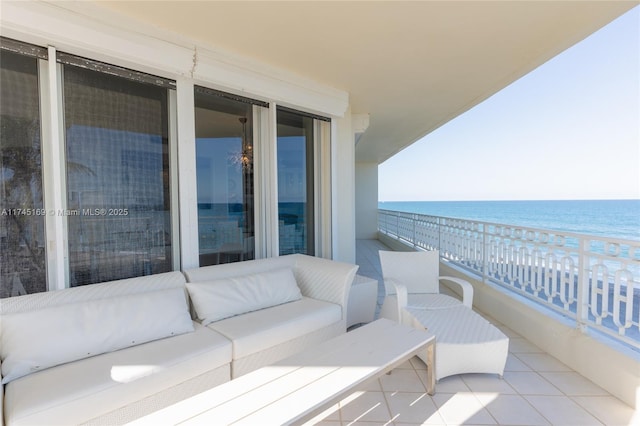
(295,149)
(225,177)
(118,180)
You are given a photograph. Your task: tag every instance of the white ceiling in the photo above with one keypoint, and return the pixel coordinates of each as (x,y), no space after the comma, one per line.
(412,66)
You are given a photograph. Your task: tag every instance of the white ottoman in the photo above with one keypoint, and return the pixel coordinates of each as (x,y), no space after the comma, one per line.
(465,341)
(362,300)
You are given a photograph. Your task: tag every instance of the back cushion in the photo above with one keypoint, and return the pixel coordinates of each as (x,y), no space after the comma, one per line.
(34,340)
(218,299)
(416,270)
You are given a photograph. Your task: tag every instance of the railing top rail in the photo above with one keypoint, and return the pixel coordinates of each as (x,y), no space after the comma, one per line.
(592,237)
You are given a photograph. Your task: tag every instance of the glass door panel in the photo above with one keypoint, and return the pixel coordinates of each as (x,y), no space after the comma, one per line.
(295,183)
(22,239)
(118,196)
(224,172)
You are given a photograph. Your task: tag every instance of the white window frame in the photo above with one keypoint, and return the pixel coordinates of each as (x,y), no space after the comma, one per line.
(53,172)
(323,189)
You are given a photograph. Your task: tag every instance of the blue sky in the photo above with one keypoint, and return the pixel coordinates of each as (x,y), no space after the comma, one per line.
(568,130)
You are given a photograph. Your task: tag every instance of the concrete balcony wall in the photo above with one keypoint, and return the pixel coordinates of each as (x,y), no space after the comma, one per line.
(610,365)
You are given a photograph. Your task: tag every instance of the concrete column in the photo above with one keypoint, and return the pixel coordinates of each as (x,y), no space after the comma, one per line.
(366,200)
(343,189)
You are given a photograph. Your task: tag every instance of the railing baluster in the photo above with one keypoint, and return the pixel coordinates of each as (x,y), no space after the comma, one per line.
(582,313)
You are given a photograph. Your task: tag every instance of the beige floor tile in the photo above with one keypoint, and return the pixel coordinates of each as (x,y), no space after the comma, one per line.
(487,383)
(519,345)
(542,362)
(574,384)
(561,410)
(530,383)
(462,408)
(451,384)
(511,409)
(514,363)
(417,408)
(609,410)
(402,380)
(367,407)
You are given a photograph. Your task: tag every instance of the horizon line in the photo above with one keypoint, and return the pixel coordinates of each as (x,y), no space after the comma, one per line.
(492,200)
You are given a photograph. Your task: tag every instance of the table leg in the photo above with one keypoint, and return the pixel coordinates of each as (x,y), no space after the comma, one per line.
(431,365)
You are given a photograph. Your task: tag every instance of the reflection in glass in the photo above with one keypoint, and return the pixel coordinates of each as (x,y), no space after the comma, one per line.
(22,243)
(224,171)
(295,183)
(117,176)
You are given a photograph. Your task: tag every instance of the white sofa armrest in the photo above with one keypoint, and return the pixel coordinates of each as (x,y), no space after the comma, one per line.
(467,289)
(324,279)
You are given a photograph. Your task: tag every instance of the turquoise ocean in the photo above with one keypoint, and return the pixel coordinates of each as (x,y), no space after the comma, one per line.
(619,219)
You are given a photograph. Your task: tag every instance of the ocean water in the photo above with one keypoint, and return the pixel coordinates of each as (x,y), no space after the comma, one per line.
(605,218)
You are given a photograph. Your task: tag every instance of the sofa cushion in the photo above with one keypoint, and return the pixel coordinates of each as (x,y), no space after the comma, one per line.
(84,293)
(263,329)
(223,298)
(235,269)
(39,339)
(77,392)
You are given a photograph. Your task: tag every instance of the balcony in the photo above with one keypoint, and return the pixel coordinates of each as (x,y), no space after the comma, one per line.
(593,282)
(537,388)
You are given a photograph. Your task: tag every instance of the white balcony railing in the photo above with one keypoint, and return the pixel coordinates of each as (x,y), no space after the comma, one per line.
(593,280)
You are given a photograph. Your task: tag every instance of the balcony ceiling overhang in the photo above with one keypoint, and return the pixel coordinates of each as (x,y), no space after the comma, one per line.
(412,66)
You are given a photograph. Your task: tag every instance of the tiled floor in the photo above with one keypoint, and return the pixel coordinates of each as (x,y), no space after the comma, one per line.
(536,389)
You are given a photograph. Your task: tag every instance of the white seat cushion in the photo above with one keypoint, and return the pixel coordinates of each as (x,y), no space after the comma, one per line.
(433,301)
(82,390)
(260,330)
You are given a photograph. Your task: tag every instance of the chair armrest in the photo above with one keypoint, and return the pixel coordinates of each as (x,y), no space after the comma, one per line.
(467,289)
(401,297)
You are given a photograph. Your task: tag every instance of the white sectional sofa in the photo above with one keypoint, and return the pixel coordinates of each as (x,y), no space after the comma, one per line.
(109,353)
(273,330)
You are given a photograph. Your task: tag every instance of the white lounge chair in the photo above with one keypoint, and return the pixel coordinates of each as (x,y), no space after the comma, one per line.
(418,272)
(465,341)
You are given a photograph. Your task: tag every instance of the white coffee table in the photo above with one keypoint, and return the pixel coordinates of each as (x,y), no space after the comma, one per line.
(300,387)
